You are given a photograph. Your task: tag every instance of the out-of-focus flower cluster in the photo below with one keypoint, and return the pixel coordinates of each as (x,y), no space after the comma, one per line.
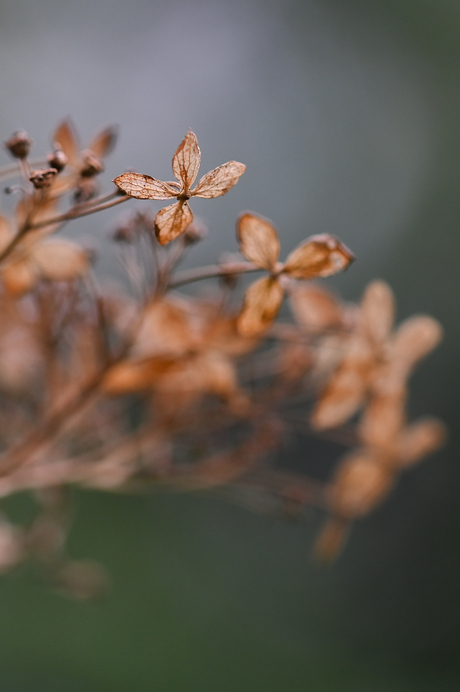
(148,386)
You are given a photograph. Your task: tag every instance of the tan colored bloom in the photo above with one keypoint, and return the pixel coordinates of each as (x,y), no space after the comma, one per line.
(171,221)
(374,358)
(318,256)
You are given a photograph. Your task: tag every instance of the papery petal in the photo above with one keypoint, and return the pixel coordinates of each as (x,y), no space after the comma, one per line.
(5,233)
(18,276)
(104,142)
(261,305)
(331,539)
(186,160)
(143,186)
(420,439)
(377,311)
(360,483)
(258,240)
(315,308)
(413,340)
(135,376)
(382,423)
(219,181)
(59,260)
(166,329)
(319,256)
(171,221)
(345,391)
(65,138)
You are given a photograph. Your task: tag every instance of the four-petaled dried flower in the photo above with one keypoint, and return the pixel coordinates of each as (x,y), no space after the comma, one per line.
(318,256)
(374,358)
(171,221)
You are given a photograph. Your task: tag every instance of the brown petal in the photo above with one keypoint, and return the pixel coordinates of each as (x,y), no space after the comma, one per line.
(186,160)
(166,329)
(382,423)
(18,276)
(144,186)
(345,391)
(258,240)
(414,339)
(420,439)
(60,260)
(104,142)
(331,539)
(5,233)
(171,221)
(261,305)
(315,308)
(319,256)
(65,138)
(219,181)
(377,310)
(359,485)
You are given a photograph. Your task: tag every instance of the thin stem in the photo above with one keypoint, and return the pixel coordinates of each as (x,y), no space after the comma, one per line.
(76,213)
(212,271)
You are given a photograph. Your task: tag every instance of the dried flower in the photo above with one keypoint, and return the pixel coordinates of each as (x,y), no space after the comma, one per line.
(318,256)
(172,221)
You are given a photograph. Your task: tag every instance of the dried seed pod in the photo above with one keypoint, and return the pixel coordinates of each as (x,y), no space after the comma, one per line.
(19,144)
(57,159)
(92,165)
(42,178)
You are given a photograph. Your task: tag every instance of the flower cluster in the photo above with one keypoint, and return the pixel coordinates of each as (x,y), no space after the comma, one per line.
(128,389)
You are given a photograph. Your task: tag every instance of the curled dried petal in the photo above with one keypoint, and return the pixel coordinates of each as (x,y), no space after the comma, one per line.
(377,310)
(319,256)
(220,180)
(171,221)
(143,186)
(258,240)
(261,305)
(186,160)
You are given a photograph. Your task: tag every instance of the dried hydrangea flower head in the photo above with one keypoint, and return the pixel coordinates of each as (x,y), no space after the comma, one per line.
(214,399)
(172,221)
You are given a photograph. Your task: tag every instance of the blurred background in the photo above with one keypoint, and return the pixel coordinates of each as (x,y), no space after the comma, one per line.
(347,115)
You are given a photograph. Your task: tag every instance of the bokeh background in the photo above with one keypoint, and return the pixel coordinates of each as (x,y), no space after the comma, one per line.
(347,115)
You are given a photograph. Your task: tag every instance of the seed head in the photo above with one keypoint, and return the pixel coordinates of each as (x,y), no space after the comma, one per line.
(19,144)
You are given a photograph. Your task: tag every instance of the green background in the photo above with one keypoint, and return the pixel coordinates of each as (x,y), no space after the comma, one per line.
(347,114)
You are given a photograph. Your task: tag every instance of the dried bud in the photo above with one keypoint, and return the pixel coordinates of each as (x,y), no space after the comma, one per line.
(92,165)
(57,159)
(42,178)
(19,144)
(85,190)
